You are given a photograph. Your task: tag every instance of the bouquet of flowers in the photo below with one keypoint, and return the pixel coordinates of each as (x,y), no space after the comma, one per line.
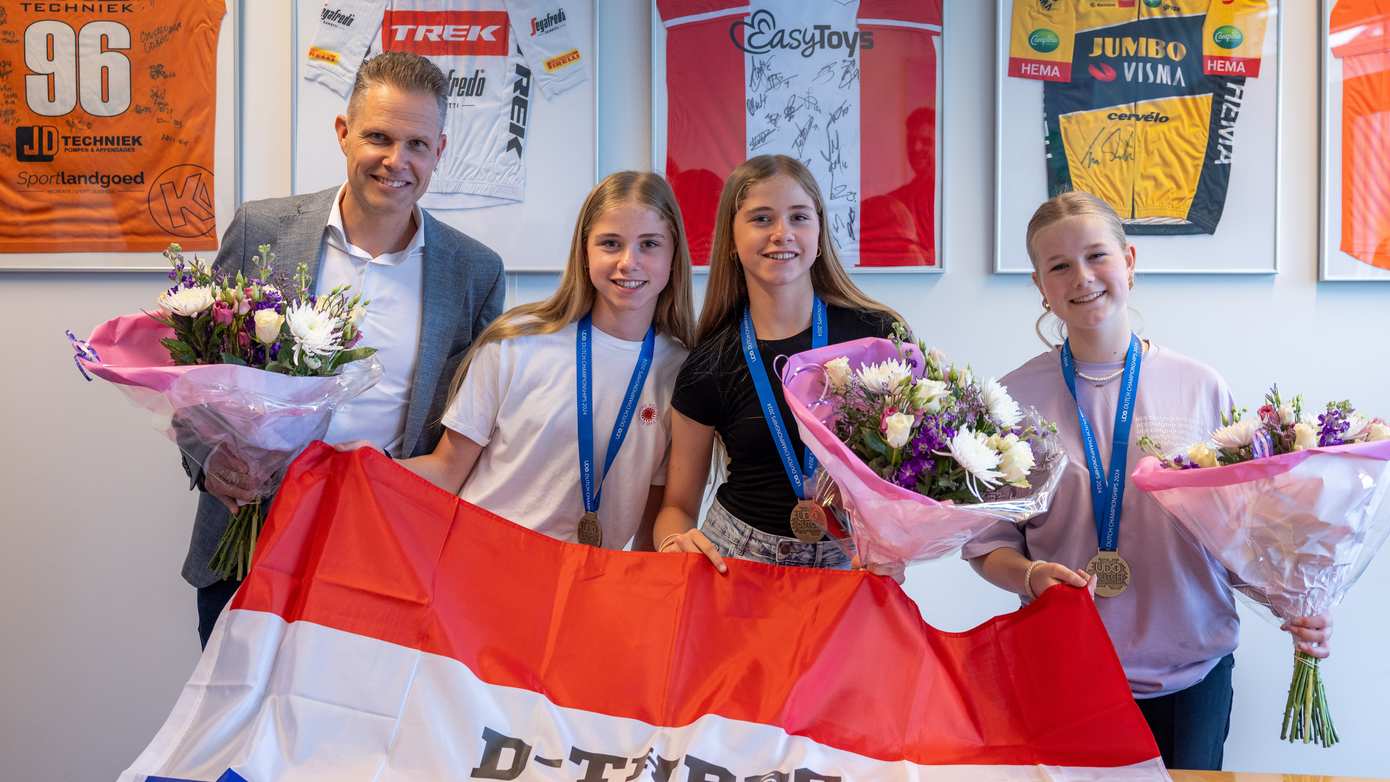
(921,453)
(1294,507)
(242,373)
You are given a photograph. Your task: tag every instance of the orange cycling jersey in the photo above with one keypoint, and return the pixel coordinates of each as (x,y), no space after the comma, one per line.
(1359,30)
(1140,100)
(107,111)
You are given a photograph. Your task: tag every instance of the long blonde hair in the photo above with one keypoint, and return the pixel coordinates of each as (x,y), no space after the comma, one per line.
(727,290)
(574,297)
(1074,203)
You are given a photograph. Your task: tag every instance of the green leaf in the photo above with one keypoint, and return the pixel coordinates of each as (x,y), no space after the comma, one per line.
(348,356)
(232,358)
(878,445)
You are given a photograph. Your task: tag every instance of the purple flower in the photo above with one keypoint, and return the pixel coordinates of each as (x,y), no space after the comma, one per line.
(1331,426)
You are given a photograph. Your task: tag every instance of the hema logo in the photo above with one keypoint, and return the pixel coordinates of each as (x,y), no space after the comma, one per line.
(35,143)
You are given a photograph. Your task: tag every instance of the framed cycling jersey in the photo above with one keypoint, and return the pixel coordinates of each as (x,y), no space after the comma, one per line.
(521,119)
(115,120)
(850,88)
(1167,110)
(1355,193)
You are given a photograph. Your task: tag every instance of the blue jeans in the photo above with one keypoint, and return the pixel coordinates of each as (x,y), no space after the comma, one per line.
(736,539)
(1190,725)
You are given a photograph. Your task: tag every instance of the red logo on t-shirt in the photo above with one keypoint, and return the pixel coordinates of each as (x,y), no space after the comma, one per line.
(477,33)
(648,415)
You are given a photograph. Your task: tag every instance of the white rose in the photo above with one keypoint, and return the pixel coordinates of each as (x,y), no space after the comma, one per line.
(1016,459)
(897,428)
(315,333)
(884,377)
(928,395)
(838,373)
(1357,425)
(1002,407)
(1286,415)
(1237,435)
(268,324)
(1378,430)
(187,301)
(1304,437)
(1202,456)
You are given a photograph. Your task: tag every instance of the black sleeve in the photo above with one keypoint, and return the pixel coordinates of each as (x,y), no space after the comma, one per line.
(696,395)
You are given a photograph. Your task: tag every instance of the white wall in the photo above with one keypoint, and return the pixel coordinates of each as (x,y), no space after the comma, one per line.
(98,627)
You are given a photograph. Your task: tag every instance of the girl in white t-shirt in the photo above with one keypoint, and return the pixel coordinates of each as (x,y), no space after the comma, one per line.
(513,425)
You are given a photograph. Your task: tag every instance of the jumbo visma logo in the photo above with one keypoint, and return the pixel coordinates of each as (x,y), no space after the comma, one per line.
(1044,40)
(1228,36)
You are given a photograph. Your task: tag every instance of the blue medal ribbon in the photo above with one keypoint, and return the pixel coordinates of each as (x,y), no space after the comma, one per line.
(820,336)
(1108,487)
(583,348)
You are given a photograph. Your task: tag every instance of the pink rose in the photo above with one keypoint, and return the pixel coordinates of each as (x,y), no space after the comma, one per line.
(222,313)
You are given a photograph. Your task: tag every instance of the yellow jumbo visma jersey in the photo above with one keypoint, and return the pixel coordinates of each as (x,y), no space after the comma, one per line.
(1140,99)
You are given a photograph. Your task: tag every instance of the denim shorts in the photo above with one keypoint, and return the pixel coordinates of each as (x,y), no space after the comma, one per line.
(736,539)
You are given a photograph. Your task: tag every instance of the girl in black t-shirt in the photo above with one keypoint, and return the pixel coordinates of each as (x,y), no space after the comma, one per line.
(774,282)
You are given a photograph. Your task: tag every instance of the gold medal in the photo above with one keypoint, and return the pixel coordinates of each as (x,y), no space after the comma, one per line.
(1111,573)
(590,533)
(808,521)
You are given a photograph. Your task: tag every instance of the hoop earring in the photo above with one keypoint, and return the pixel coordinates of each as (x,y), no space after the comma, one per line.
(1037,329)
(1046,306)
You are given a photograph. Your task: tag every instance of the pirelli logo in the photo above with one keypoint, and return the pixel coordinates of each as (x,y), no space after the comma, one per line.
(476,33)
(323,55)
(562,61)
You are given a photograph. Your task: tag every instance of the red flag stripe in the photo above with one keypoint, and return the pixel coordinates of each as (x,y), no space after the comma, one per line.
(357,543)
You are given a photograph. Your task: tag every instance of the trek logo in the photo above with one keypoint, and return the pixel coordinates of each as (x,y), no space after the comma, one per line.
(35,143)
(479,33)
(1129,46)
(466,86)
(551,21)
(336,17)
(521,101)
(761,35)
(1126,116)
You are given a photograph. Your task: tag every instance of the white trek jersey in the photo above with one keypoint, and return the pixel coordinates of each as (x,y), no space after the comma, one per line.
(495,54)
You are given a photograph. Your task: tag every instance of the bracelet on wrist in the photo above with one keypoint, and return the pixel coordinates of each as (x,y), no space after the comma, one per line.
(1028,578)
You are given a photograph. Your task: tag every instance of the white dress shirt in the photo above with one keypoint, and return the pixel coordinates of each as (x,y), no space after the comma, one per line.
(390,284)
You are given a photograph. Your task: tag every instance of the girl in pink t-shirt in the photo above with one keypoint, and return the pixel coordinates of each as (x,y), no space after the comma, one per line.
(1166,604)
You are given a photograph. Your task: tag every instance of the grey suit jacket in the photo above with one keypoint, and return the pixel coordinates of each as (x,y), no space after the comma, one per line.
(462,288)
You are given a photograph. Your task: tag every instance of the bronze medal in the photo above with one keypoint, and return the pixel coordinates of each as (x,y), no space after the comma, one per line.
(590,533)
(808,521)
(1111,573)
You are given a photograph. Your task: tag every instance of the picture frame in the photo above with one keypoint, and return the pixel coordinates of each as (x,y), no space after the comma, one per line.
(560,158)
(1349,235)
(881,179)
(1244,226)
(227,187)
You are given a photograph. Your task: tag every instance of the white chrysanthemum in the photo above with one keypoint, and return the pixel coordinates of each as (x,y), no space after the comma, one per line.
(885,376)
(929,395)
(1304,436)
(187,301)
(315,333)
(1003,410)
(897,429)
(1202,455)
(838,373)
(268,324)
(1016,459)
(1378,430)
(971,450)
(1237,435)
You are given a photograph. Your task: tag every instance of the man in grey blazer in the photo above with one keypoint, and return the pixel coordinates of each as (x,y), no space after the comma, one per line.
(432,289)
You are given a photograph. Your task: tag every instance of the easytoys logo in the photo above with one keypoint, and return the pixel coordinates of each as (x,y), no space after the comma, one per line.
(761,35)
(477,33)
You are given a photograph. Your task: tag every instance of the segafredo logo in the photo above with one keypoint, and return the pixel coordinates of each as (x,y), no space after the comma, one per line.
(762,35)
(1228,36)
(1044,40)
